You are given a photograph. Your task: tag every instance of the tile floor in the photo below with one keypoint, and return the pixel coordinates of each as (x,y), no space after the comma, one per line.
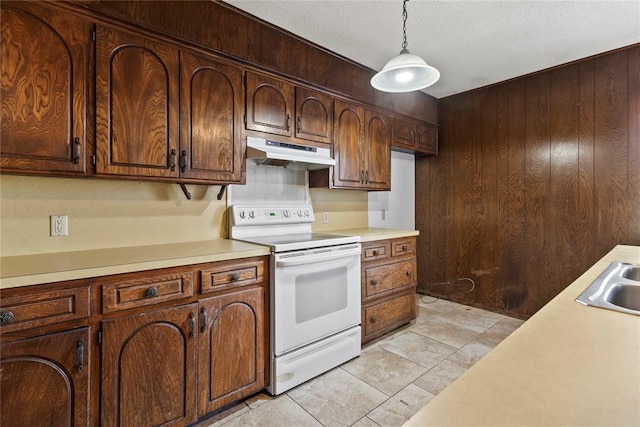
(391,380)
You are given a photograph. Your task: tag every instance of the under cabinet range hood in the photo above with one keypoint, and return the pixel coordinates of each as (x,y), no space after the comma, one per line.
(293,156)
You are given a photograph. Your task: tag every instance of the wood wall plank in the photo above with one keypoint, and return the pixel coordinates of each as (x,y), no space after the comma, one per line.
(540,176)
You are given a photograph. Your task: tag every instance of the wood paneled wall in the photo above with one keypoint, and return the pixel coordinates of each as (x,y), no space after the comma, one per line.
(536,179)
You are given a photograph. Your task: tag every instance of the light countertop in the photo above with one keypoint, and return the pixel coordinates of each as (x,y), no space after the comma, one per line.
(568,365)
(37,269)
(371,233)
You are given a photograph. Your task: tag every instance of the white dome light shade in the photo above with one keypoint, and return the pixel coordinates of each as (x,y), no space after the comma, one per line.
(405,73)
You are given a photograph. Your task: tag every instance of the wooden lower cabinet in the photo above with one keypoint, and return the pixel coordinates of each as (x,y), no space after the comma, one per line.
(232,351)
(388,285)
(45,380)
(149,368)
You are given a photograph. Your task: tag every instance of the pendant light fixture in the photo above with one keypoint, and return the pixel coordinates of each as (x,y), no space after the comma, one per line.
(405,72)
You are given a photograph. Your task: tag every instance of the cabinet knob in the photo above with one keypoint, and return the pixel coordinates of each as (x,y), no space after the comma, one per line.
(408,274)
(151,292)
(374,282)
(235,277)
(373,319)
(376,253)
(404,248)
(6,317)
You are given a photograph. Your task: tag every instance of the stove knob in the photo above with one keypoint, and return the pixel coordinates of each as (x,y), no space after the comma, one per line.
(252,214)
(300,213)
(285,213)
(306,212)
(242,214)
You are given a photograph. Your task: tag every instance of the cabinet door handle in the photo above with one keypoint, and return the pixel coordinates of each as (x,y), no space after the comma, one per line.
(203,318)
(151,292)
(76,150)
(366,177)
(235,277)
(288,121)
(172,159)
(80,355)
(362,175)
(192,324)
(299,124)
(183,161)
(6,317)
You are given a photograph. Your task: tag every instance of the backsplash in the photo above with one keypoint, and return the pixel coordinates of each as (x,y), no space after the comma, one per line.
(270,185)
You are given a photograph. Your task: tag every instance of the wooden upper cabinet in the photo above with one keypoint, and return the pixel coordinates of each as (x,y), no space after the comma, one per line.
(427,139)
(314,115)
(211,144)
(378,161)
(45,380)
(149,368)
(269,104)
(405,134)
(136,105)
(348,144)
(44,59)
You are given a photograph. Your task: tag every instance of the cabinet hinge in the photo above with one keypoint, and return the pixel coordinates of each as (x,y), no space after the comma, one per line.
(244,117)
(93,159)
(99,337)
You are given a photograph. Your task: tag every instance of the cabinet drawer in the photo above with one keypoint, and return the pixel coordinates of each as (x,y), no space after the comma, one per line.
(389,313)
(230,275)
(385,278)
(139,292)
(403,247)
(44,308)
(376,250)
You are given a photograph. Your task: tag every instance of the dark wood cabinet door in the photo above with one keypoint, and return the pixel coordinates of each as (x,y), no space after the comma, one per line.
(427,139)
(269,104)
(211,119)
(405,134)
(378,163)
(45,380)
(232,359)
(44,74)
(348,145)
(149,367)
(136,105)
(314,115)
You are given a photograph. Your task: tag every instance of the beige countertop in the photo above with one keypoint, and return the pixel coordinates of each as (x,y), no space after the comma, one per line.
(371,233)
(45,268)
(567,365)
(37,269)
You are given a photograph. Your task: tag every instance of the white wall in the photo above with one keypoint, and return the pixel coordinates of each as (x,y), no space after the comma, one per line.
(396,208)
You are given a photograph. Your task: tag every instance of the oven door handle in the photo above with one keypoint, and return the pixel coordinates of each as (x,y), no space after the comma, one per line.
(328,256)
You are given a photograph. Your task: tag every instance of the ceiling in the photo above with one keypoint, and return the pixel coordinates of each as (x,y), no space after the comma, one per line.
(472,43)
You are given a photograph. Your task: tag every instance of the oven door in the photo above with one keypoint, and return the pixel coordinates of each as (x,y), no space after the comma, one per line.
(315,294)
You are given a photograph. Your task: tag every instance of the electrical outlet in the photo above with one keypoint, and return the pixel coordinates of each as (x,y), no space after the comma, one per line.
(325,217)
(59,225)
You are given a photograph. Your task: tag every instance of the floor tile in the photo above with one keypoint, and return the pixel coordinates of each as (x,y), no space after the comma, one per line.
(401,407)
(446,332)
(471,317)
(337,398)
(498,332)
(468,355)
(225,416)
(279,412)
(384,370)
(440,376)
(365,422)
(419,349)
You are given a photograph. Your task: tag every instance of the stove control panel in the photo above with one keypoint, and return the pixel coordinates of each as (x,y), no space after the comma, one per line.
(261,215)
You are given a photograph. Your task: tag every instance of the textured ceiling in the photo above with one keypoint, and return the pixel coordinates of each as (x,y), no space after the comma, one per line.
(472,43)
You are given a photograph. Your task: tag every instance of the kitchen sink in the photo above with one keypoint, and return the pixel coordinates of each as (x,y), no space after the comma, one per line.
(616,288)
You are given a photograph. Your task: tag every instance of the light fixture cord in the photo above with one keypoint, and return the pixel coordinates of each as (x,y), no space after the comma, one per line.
(404,24)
